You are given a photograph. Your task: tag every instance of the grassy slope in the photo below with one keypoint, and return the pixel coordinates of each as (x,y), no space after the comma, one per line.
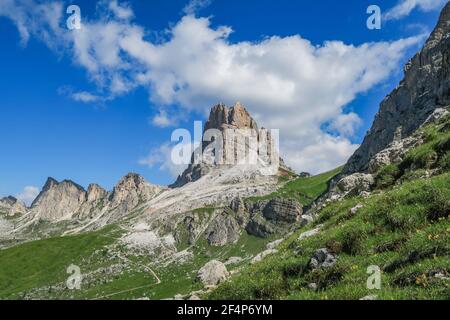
(306,190)
(45,262)
(403,228)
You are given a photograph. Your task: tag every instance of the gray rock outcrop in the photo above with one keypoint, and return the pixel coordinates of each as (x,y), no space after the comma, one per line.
(284,210)
(276,216)
(322,259)
(424,89)
(224,229)
(356,183)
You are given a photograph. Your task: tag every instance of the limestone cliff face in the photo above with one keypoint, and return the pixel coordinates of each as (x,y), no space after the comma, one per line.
(12,206)
(240,134)
(425,87)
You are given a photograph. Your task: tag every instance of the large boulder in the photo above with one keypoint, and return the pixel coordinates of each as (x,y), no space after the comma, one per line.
(356,183)
(212,273)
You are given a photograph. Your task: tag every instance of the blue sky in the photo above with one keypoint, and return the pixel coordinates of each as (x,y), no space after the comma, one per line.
(73,109)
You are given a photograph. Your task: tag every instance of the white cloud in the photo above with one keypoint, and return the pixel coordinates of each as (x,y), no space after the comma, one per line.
(161,157)
(85,97)
(287,83)
(122,11)
(162,120)
(345,124)
(194,6)
(404,7)
(28,195)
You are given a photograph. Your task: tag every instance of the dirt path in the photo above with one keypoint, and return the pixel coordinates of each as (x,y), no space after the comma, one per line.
(148,269)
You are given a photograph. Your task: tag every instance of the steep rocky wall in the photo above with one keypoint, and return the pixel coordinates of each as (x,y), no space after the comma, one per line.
(425,87)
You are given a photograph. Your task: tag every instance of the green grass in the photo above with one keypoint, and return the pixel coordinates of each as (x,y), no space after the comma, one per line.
(405,231)
(305,190)
(44,262)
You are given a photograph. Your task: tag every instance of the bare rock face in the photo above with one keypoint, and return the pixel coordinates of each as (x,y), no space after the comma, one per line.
(96,201)
(130,191)
(95,193)
(425,87)
(11,206)
(237,117)
(277,216)
(223,230)
(285,210)
(58,200)
(240,135)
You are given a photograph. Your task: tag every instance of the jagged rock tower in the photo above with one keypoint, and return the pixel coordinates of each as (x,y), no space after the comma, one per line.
(237,129)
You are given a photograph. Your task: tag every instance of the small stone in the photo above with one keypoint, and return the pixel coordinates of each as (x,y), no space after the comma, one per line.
(370,297)
(312,286)
(306,219)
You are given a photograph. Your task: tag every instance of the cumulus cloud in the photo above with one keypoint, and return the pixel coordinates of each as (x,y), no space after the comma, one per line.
(28,195)
(404,7)
(287,83)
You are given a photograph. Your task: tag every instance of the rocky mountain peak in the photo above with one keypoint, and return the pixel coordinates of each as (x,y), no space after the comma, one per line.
(9,200)
(237,117)
(240,138)
(50,183)
(442,28)
(53,184)
(58,200)
(12,206)
(130,191)
(424,89)
(95,192)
